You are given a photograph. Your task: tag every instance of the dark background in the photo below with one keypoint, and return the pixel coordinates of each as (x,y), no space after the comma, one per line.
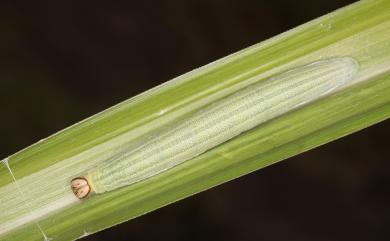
(63,61)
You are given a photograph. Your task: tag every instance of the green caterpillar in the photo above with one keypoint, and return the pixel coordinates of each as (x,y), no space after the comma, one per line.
(218,123)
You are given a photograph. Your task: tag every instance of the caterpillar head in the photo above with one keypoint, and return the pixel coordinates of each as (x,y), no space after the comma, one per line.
(80,187)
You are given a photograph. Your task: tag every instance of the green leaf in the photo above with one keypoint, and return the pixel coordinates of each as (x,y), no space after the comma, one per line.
(43,171)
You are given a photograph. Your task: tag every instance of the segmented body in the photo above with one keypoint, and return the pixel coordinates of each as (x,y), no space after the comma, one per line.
(222,121)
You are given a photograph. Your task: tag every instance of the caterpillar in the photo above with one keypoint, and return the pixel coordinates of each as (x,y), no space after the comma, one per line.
(217,123)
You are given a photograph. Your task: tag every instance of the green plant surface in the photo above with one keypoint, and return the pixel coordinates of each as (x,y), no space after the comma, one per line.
(43,171)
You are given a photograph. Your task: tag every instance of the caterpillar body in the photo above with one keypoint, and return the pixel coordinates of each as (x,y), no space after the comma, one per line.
(217,123)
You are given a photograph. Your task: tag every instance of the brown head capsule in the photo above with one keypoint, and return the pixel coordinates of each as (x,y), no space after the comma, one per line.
(80,187)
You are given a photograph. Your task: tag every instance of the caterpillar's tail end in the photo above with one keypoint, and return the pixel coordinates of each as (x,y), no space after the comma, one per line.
(80,187)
